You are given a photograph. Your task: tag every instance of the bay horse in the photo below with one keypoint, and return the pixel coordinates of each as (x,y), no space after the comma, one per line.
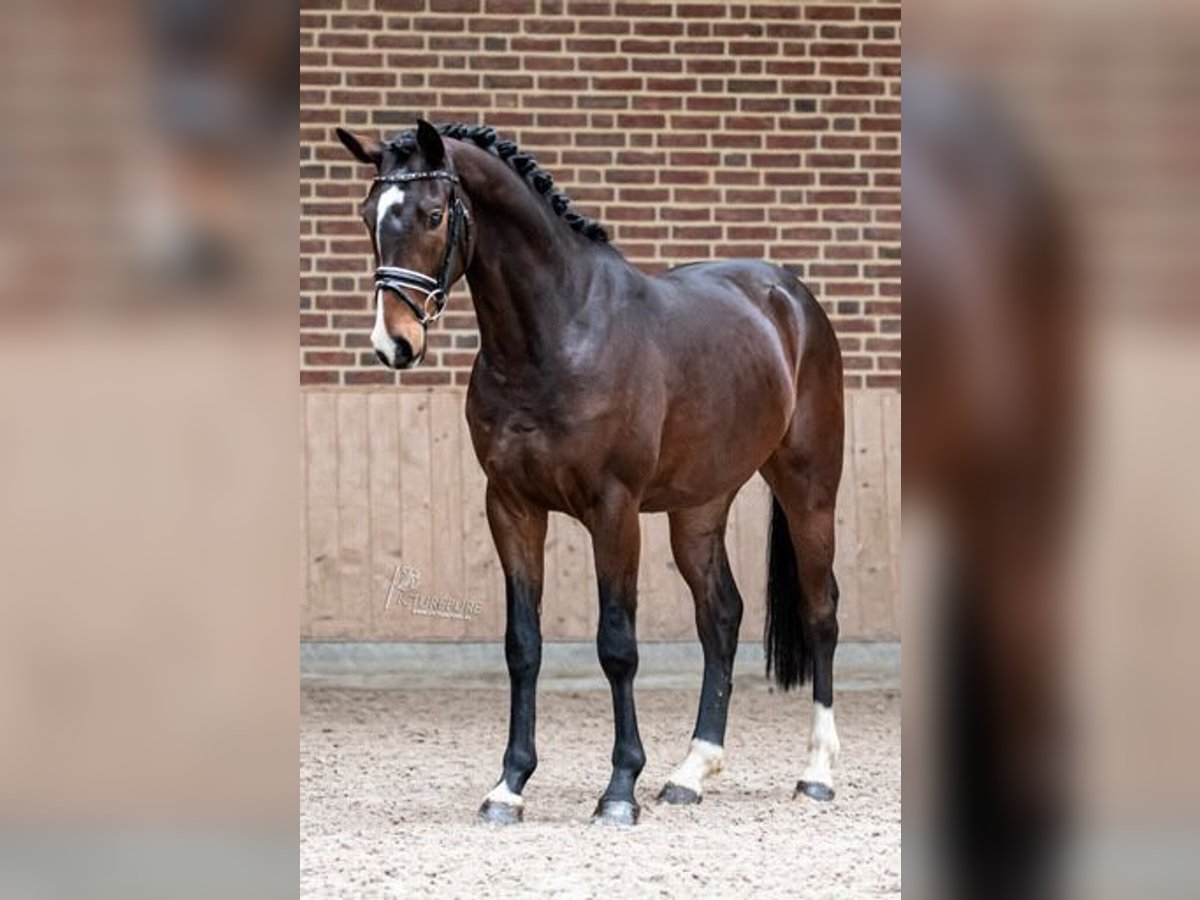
(601,392)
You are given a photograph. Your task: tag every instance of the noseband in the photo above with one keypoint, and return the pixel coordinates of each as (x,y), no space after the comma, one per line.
(397,280)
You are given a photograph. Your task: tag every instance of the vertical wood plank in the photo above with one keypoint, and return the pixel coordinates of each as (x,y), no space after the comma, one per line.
(874,567)
(747,545)
(569,616)
(845,560)
(353,509)
(483,579)
(446,515)
(557,609)
(894,473)
(658,609)
(415,502)
(679,609)
(323,569)
(387,552)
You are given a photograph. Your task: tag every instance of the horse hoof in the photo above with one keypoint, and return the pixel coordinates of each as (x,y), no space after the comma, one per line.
(616,812)
(678,795)
(494,813)
(814,790)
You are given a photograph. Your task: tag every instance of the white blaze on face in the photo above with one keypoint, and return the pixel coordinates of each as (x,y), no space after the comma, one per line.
(703,759)
(823,747)
(393,196)
(380,339)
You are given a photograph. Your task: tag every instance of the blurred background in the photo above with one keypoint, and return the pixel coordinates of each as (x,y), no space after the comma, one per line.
(1051,185)
(148,415)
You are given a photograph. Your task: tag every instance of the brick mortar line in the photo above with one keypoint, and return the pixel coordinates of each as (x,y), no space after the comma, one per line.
(657,94)
(779,127)
(674,40)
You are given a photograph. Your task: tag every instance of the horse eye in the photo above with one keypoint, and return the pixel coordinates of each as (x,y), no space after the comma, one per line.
(435,218)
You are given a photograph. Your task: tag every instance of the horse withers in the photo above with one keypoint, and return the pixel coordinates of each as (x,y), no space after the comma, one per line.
(602,393)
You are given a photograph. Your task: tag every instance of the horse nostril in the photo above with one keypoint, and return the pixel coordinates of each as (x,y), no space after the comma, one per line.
(401,357)
(404,353)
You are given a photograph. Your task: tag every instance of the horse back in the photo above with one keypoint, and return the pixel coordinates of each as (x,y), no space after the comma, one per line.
(743,341)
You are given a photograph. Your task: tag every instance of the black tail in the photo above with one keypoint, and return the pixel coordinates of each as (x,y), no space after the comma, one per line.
(786,644)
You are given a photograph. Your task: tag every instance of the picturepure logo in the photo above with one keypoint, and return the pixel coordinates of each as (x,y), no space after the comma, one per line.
(403,593)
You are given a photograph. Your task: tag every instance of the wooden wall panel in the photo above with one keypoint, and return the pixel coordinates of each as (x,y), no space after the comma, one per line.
(396,542)
(322,576)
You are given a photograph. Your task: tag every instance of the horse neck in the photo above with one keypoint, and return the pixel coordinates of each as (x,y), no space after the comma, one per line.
(529,272)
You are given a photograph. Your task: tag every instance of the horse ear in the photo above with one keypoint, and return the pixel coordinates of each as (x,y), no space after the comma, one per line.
(430,143)
(365,149)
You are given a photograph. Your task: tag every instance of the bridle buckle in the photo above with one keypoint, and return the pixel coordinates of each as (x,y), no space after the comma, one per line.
(435,300)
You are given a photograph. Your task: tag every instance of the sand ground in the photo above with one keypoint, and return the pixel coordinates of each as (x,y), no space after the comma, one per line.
(391,780)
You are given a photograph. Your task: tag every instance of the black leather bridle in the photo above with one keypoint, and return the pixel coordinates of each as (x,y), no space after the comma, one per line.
(398,280)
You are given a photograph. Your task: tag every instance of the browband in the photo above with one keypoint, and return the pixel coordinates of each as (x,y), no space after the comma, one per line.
(402,177)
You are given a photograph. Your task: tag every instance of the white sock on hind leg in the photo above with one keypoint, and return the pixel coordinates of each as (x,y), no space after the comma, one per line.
(501,794)
(703,759)
(823,747)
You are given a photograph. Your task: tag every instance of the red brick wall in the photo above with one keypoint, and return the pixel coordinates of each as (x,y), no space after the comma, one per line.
(691,130)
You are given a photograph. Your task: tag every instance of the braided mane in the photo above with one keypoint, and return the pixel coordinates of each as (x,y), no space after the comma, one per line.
(542,182)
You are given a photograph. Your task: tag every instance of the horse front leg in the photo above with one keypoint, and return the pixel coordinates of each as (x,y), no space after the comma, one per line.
(616,544)
(519,532)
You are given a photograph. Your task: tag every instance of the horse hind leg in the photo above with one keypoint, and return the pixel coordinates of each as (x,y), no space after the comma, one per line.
(698,545)
(802,627)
